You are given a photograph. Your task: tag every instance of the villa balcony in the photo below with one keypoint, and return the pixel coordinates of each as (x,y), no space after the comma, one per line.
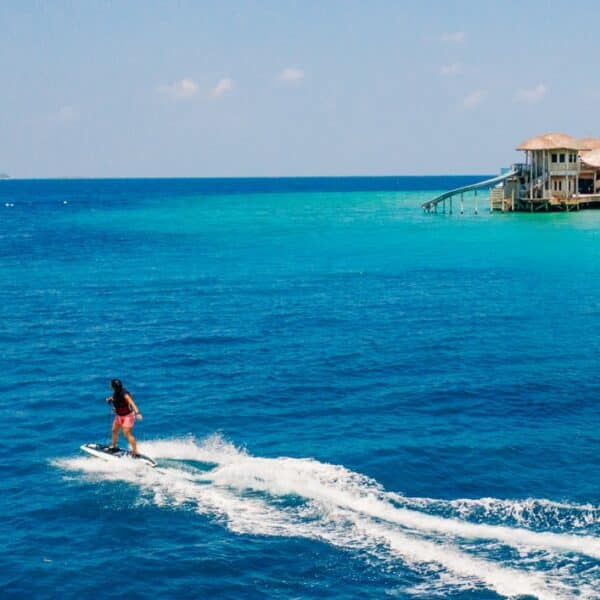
(564,169)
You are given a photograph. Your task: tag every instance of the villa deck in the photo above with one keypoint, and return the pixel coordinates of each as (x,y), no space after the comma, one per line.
(567,204)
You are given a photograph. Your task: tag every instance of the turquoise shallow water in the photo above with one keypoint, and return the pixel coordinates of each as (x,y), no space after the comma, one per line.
(346,397)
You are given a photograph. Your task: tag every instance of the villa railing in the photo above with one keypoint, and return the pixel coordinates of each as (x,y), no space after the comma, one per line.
(564,168)
(496,195)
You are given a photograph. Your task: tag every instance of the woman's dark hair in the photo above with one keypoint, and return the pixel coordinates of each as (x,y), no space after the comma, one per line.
(116,385)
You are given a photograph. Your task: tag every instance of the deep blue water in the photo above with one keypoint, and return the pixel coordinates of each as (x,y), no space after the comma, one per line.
(346,397)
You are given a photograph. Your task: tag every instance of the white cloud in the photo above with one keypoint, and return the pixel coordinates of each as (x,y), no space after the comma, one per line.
(454,37)
(66,114)
(291,74)
(186,88)
(451,69)
(534,94)
(224,85)
(473,99)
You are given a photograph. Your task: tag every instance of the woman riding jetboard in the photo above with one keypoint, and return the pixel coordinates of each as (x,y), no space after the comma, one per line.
(126,413)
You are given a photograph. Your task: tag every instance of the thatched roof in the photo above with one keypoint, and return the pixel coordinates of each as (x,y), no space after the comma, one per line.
(589,143)
(549,141)
(591,157)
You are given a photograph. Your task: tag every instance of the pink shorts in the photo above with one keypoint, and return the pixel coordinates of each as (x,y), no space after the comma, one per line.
(125,420)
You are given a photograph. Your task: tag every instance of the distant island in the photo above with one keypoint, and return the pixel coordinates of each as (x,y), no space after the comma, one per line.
(4,176)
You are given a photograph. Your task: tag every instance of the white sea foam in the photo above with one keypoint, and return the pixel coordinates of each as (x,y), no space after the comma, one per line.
(527,512)
(349,510)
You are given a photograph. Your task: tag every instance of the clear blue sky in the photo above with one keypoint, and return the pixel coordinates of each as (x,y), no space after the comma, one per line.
(273,88)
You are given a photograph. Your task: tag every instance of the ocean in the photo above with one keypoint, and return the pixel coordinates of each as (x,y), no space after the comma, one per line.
(346,397)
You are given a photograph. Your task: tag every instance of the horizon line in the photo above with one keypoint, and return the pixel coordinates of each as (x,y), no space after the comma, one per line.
(239,177)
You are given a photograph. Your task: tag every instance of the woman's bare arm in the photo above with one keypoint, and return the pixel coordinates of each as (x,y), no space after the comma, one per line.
(133,405)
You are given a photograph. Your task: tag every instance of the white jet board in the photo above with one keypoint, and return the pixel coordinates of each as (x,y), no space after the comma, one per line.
(103,451)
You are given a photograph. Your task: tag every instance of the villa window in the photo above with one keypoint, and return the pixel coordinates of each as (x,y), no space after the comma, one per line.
(554,157)
(561,158)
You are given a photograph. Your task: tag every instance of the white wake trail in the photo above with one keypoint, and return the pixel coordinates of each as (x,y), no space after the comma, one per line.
(342,508)
(525,512)
(336,485)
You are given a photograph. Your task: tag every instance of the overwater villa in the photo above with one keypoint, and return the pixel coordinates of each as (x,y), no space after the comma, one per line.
(559,173)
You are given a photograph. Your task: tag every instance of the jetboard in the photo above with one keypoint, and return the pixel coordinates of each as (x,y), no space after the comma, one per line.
(107,453)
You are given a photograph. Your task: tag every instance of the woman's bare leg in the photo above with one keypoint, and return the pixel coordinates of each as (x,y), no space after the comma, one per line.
(127,433)
(115,433)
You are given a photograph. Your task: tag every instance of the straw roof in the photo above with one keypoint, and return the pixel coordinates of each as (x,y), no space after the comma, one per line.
(549,141)
(589,143)
(591,157)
